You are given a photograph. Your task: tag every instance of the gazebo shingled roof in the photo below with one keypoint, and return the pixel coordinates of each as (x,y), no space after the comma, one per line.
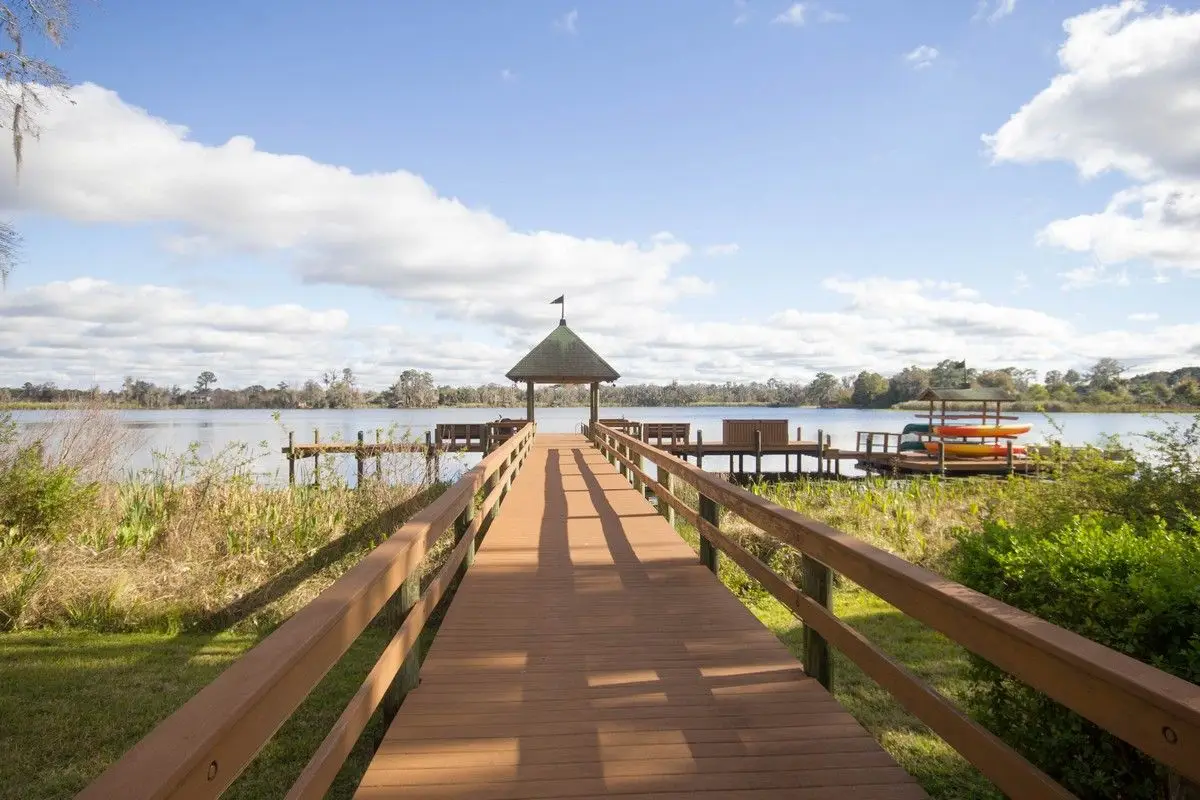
(974,394)
(562,357)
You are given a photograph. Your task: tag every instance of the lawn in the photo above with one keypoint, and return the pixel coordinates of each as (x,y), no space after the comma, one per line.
(72,702)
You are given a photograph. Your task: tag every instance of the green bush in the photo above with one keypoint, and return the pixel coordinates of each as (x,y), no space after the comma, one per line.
(1136,590)
(36,500)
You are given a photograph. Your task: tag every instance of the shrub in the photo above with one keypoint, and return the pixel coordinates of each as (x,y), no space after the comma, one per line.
(37,500)
(1134,590)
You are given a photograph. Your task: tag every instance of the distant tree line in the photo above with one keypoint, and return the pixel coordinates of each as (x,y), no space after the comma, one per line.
(1103,385)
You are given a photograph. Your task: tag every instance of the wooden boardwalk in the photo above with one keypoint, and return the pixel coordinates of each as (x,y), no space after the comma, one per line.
(588,653)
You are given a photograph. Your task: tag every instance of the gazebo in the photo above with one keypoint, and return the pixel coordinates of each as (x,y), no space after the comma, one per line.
(562,357)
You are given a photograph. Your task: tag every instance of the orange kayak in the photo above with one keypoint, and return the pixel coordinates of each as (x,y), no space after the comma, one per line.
(980,430)
(967,450)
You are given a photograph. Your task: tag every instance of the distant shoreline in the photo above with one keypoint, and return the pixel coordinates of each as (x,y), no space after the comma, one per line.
(1018,407)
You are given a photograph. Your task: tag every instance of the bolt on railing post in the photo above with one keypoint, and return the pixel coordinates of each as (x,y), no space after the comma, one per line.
(710,512)
(818,584)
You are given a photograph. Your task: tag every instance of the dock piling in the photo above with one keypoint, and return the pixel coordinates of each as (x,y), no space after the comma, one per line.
(316,458)
(820,451)
(699,450)
(757,453)
(358,462)
(291,458)
(378,456)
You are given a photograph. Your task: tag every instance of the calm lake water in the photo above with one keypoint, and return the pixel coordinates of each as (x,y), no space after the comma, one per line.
(173,432)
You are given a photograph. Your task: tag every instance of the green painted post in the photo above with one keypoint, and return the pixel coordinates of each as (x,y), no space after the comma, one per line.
(667,480)
(818,584)
(711,513)
(460,530)
(408,677)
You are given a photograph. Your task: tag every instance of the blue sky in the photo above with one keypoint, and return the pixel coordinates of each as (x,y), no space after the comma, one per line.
(818,149)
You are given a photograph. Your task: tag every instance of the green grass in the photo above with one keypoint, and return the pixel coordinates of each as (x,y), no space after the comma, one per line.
(72,702)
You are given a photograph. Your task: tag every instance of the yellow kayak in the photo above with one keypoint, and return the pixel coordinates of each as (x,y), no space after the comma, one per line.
(980,430)
(965,450)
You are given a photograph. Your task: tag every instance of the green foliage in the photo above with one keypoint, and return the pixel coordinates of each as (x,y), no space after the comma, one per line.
(1136,590)
(37,500)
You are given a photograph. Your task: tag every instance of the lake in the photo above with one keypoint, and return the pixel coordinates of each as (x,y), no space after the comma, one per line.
(213,430)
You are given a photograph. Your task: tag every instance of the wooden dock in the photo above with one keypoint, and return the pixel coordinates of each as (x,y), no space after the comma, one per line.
(588,652)
(641,675)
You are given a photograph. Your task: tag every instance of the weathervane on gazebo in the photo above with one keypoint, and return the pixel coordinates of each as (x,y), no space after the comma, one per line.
(562,357)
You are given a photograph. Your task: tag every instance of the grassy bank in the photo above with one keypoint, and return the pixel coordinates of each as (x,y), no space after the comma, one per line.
(56,685)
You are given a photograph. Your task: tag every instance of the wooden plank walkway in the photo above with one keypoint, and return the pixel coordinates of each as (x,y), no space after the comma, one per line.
(588,654)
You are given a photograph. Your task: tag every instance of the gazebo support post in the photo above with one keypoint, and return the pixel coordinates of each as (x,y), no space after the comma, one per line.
(529,400)
(594,416)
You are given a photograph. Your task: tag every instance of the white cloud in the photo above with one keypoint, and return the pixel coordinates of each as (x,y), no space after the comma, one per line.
(86,330)
(834,16)
(1127,100)
(994,12)
(722,249)
(100,160)
(569,22)
(922,56)
(1020,282)
(507,75)
(742,12)
(1092,275)
(1145,316)
(794,15)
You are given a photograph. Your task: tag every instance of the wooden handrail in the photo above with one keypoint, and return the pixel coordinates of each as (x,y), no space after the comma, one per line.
(1152,710)
(198,751)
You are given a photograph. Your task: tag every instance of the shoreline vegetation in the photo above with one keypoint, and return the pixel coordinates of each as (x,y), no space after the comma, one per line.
(1102,388)
(114,585)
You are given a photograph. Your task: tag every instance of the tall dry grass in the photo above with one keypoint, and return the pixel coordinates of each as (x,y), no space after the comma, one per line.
(193,541)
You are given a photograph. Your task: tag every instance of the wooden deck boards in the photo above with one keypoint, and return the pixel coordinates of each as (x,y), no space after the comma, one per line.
(589,654)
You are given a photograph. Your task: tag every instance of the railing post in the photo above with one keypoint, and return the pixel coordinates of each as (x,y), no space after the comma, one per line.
(1008,460)
(818,584)
(291,458)
(358,462)
(407,678)
(637,462)
(461,526)
(942,458)
(667,481)
(710,512)
(699,450)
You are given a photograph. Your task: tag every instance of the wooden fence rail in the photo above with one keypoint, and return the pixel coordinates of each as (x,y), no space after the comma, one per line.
(200,750)
(1155,712)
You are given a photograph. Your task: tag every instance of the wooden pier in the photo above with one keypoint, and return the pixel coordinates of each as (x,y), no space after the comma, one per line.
(587,652)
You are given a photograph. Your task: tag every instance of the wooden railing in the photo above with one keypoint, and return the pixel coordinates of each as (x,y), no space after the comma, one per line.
(1155,712)
(199,750)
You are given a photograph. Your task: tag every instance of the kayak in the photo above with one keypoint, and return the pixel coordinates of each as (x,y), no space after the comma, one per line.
(967,450)
(988,431)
